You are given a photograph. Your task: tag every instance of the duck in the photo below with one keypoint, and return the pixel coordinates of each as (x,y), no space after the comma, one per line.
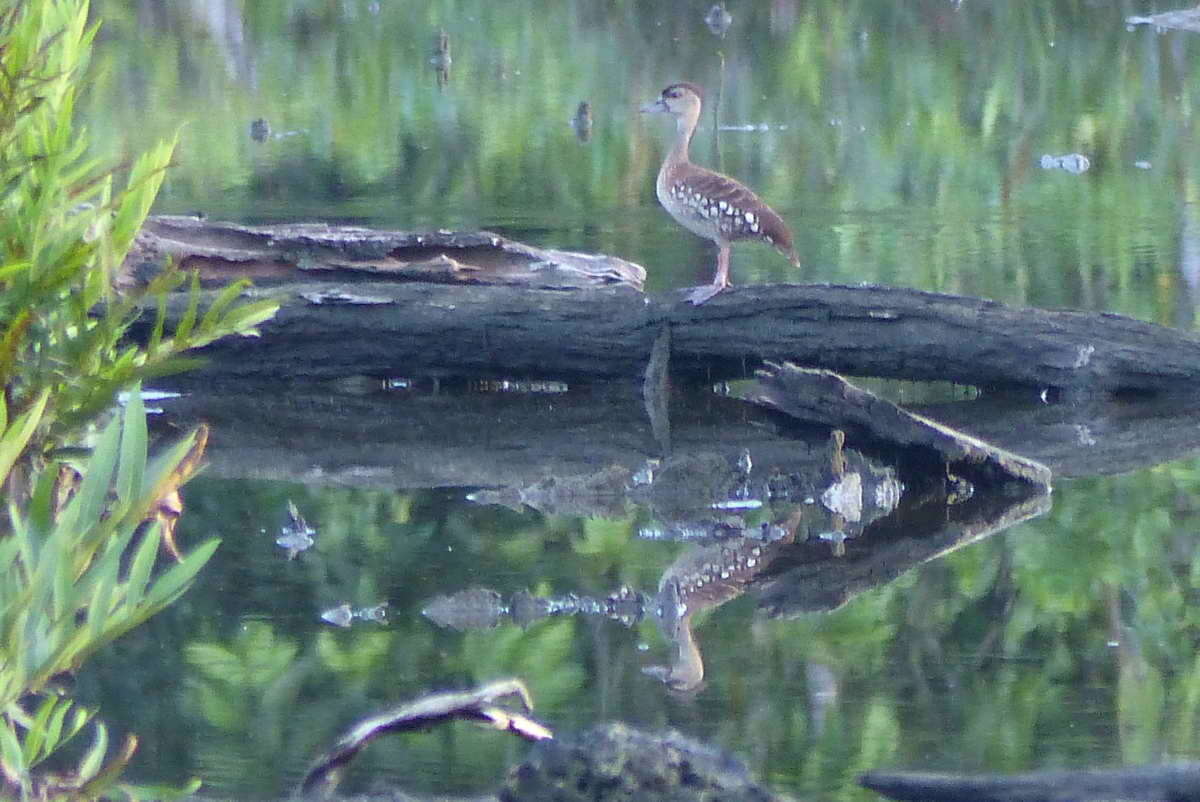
(707,203)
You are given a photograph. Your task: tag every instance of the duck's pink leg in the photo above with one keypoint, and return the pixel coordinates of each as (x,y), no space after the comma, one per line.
(720,281)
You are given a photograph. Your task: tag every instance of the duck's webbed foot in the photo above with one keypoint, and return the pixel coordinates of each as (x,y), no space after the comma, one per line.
(698,295)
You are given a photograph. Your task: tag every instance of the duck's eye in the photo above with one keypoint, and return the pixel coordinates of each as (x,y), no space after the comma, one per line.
(672,93)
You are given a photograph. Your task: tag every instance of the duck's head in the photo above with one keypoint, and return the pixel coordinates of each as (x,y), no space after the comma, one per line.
(678,100)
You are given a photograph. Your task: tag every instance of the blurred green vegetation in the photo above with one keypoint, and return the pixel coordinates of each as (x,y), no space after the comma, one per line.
(1068,641)
(909,157)
(80,535)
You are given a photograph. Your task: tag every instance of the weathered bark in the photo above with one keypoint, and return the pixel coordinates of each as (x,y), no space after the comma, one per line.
(328,330)
(823,397)
(1100,437)
(222,252)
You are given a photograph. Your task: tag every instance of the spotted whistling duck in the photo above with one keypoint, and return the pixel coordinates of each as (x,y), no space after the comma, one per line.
(708,203)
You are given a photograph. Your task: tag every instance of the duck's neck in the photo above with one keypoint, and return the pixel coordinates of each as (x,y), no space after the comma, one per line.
(685,127)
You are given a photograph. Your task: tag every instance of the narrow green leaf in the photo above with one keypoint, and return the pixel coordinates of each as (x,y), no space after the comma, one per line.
(176,579)
(144,182)
(133,447)
(245,317)
(10,548)
(225,299)
(160,322)
(88,503)
(183,329)
(143,561)
(11,753)
(80,716)
(100,606)
(54,729)
(35,737)
(158,473)
(40,508)
(63,601)
(159,793)
(93,759)
(16,436)
(11,269)
(99,785)
(103,577)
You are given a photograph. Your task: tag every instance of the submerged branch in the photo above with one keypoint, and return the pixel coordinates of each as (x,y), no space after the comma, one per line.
(477,705)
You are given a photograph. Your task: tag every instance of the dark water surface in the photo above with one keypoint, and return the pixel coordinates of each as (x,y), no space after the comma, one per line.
(904,144)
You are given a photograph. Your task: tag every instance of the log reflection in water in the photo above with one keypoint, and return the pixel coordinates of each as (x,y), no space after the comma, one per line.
(787,564)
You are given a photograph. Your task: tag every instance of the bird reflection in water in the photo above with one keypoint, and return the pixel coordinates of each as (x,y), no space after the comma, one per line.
(705,577)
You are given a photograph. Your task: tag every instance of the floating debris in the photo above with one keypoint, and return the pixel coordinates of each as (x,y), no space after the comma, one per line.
(684,531)
(378,613)
(484,608)
(754,127)
(1181,20)
(838,539)
(645,474)
(149,395)
(343,615)
(340,616)
(888,493)
(626,605)
(845,497)
(296,535)
(260,130)
(473,608)
(1075,163)
(440,60)
(718,19)
(582,121)
(339,297)
(738,504)
(527,608)
(1143,165)
(677,531)
(516,386)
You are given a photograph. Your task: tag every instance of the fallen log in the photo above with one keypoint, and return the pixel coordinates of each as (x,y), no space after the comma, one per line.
(1144,783)
(341,319)
(1101,437)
